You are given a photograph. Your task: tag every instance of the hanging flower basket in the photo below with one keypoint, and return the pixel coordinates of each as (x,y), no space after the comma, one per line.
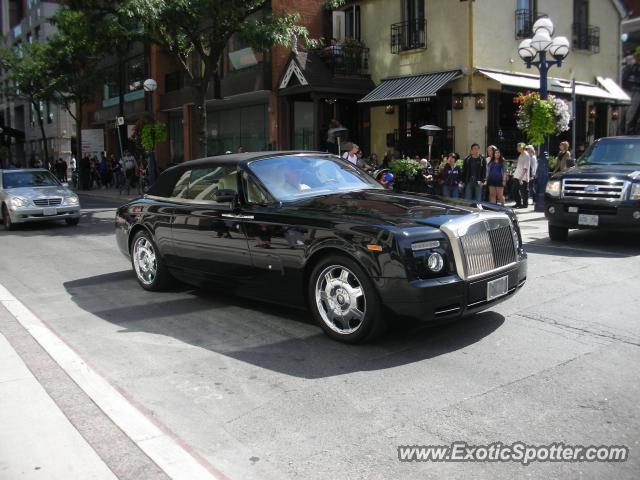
(538,118)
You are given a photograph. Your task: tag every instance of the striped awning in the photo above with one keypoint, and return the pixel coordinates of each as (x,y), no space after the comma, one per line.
(408,88)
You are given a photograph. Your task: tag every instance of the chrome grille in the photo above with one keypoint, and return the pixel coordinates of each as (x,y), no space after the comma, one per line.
(47,202)
(489,247)
(593,188)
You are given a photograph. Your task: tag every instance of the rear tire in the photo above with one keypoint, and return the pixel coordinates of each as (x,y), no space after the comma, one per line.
(72,222)
(344,301)
(6,219)
(558,234)
(149,267)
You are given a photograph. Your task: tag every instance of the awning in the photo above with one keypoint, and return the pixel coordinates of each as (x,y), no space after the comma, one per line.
(611,91)
(412,87)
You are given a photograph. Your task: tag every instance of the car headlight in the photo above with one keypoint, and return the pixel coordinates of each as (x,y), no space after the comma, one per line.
(635,191)
(72,200)
(18,202)
(553,188)
(435,262)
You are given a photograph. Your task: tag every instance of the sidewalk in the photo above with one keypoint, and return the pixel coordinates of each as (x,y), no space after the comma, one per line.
(109,194)
(37,440)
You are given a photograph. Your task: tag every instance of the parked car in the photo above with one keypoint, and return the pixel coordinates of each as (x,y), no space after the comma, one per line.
(601,192)
(308,229)
(35,195)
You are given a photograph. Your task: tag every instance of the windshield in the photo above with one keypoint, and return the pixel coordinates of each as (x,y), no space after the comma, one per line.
(293,177)
(28,179)
(621,151)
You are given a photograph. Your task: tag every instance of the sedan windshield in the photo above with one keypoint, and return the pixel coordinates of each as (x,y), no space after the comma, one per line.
(294,177)
(28,179)
(613,151)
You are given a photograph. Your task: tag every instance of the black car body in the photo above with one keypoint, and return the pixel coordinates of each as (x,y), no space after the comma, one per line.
(601,192)
(270,249)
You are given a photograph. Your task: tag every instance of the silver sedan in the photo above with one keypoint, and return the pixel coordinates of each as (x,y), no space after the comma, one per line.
(33,195)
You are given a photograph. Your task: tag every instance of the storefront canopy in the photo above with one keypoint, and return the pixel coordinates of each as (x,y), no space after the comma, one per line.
(610,93)
(408,88)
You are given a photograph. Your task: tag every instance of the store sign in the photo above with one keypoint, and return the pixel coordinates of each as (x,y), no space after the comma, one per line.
(92,141)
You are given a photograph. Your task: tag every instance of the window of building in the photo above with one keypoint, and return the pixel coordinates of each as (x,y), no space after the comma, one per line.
(243,126)
(581,12)
(135,74)
(49,113)
(352,22)
(173,81)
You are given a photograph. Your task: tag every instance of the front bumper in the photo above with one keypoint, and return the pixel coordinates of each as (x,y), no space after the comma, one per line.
(448,297)
(611,216)
(37,214)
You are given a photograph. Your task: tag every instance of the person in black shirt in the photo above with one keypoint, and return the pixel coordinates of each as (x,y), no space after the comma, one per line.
(451,177)
(474,172)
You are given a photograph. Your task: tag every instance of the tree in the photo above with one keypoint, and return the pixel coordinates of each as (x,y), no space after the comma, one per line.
(196,32)
(25,67)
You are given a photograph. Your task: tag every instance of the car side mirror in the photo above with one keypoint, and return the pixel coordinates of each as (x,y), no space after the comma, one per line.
(226,195)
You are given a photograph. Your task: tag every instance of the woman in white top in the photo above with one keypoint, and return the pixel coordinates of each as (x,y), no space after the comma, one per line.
(533,171)
(522,176)
(351,154)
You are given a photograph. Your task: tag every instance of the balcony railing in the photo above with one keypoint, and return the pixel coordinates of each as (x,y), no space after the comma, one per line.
(525,18)
(410,35)
(346,59)
(586,37)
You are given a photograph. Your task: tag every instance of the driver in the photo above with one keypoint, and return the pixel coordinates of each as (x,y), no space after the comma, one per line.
(293,179)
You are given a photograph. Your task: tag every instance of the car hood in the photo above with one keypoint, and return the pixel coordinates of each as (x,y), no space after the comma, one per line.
(632,171)
(40,192)
(381,206)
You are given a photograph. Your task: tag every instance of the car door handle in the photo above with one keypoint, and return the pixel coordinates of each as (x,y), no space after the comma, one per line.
(238,216)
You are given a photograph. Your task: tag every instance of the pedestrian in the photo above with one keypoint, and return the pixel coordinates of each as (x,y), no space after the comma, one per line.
(240,149)
(351,153)
(73,164)
(116,171)
(521,176)
(332,140)
(631,83)
(533,172)
(496,177)
(61,169)
(490,150)
(104,171)
(474,171)
(451,177)
(129,165)
(565,160)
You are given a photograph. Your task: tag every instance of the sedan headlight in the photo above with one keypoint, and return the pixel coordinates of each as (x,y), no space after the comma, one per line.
(553,188)
(72,200)
(635,191)
(18,202)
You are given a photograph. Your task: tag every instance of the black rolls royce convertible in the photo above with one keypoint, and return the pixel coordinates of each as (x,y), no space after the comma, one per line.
(310,230)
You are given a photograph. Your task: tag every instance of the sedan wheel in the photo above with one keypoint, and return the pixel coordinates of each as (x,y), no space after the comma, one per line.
(344,301)
(148,264)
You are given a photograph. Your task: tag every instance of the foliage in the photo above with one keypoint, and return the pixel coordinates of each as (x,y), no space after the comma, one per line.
(151,134)
(553,161)
(405,166)
(538,118)
(333,4)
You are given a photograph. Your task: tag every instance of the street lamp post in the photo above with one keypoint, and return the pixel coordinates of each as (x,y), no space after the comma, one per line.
(150,86)
(529,49)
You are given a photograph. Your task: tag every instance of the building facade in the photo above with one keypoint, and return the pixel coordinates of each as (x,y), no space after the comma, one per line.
(23,22)
(456,65)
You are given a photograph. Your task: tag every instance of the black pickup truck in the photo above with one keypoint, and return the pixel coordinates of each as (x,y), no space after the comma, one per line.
(602,191)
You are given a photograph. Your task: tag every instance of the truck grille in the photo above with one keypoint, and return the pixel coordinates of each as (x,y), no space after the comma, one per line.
(488,248)
(593,188)
(47,202)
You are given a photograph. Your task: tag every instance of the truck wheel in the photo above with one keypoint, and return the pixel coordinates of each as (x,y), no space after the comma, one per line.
(558,234)
(344,301)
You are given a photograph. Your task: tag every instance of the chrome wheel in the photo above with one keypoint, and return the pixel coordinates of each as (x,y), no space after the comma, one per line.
(145,261)
(340,299)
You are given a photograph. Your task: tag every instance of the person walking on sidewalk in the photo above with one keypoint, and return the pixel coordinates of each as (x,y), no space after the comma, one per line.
(522,177)
(129,165)
(533,172)
(451,176)
(474,172)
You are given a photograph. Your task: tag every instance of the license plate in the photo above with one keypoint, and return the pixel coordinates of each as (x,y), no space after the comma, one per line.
(49,211)
(588,220)
(498,287)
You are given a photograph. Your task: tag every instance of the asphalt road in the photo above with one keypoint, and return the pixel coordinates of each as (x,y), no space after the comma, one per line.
(258,391)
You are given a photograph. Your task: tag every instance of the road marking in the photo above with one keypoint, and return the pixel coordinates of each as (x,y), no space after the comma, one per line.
(158,443)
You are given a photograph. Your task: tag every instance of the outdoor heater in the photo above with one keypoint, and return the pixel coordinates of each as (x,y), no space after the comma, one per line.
(431,131)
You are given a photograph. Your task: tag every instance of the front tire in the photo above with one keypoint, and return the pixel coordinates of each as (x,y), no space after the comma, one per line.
(148,265)
(6,219)
(344,301)
(72,222)
(558,234)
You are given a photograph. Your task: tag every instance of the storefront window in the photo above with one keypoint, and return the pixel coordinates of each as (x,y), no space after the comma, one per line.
(303,122)
(243,126)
